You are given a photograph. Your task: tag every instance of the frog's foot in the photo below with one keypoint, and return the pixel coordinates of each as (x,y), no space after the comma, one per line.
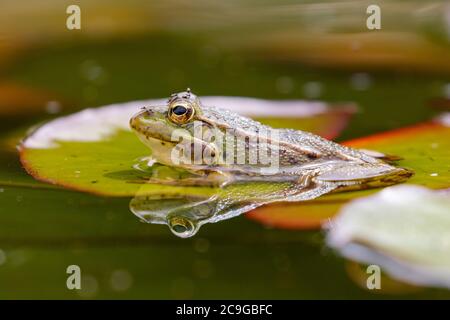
(157,173)
(365,176)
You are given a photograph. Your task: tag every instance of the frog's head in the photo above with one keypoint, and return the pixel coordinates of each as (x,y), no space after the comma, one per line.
(162,128)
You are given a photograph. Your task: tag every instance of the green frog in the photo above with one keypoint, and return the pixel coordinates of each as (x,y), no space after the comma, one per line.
(218,147)
(205,132)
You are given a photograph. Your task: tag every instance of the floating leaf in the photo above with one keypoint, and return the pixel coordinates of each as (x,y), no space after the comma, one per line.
(95,151)
(425,149)
(404,229)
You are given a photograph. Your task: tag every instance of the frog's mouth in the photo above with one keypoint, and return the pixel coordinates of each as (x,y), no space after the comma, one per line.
(161,149)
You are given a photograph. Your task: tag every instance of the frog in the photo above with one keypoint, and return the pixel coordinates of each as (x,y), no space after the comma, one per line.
(318,164)
(307,166)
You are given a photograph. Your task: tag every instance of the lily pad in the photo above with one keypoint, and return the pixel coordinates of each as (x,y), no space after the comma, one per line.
(404,229)
(95,151)
(425,148)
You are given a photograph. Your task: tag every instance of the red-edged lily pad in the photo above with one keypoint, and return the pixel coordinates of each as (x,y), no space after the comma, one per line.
(425,148)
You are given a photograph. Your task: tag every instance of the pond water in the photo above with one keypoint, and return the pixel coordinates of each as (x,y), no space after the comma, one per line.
(44,228)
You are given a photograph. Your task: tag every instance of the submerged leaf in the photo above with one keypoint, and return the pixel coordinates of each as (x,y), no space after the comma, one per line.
(95,151)
(405,229)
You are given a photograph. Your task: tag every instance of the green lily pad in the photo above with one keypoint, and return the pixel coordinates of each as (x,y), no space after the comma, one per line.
(404,229)
(95,151)
(425,149)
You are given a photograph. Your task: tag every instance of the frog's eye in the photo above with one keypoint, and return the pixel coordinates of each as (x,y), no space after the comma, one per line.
(181,113)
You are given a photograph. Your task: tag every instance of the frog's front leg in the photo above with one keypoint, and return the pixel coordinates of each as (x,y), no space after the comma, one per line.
(210,178)
(345,177)
(153,172)
(161,174)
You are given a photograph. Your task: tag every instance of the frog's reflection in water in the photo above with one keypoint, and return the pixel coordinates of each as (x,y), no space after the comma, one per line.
(185,215)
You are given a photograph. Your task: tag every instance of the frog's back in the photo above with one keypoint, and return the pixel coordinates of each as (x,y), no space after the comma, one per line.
(303,154)
(294,147)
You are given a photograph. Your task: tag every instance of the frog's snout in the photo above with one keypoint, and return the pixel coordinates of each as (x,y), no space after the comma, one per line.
(137,119)
(133,123)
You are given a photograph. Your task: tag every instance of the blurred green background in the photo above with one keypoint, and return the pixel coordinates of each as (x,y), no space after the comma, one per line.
(399,75)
